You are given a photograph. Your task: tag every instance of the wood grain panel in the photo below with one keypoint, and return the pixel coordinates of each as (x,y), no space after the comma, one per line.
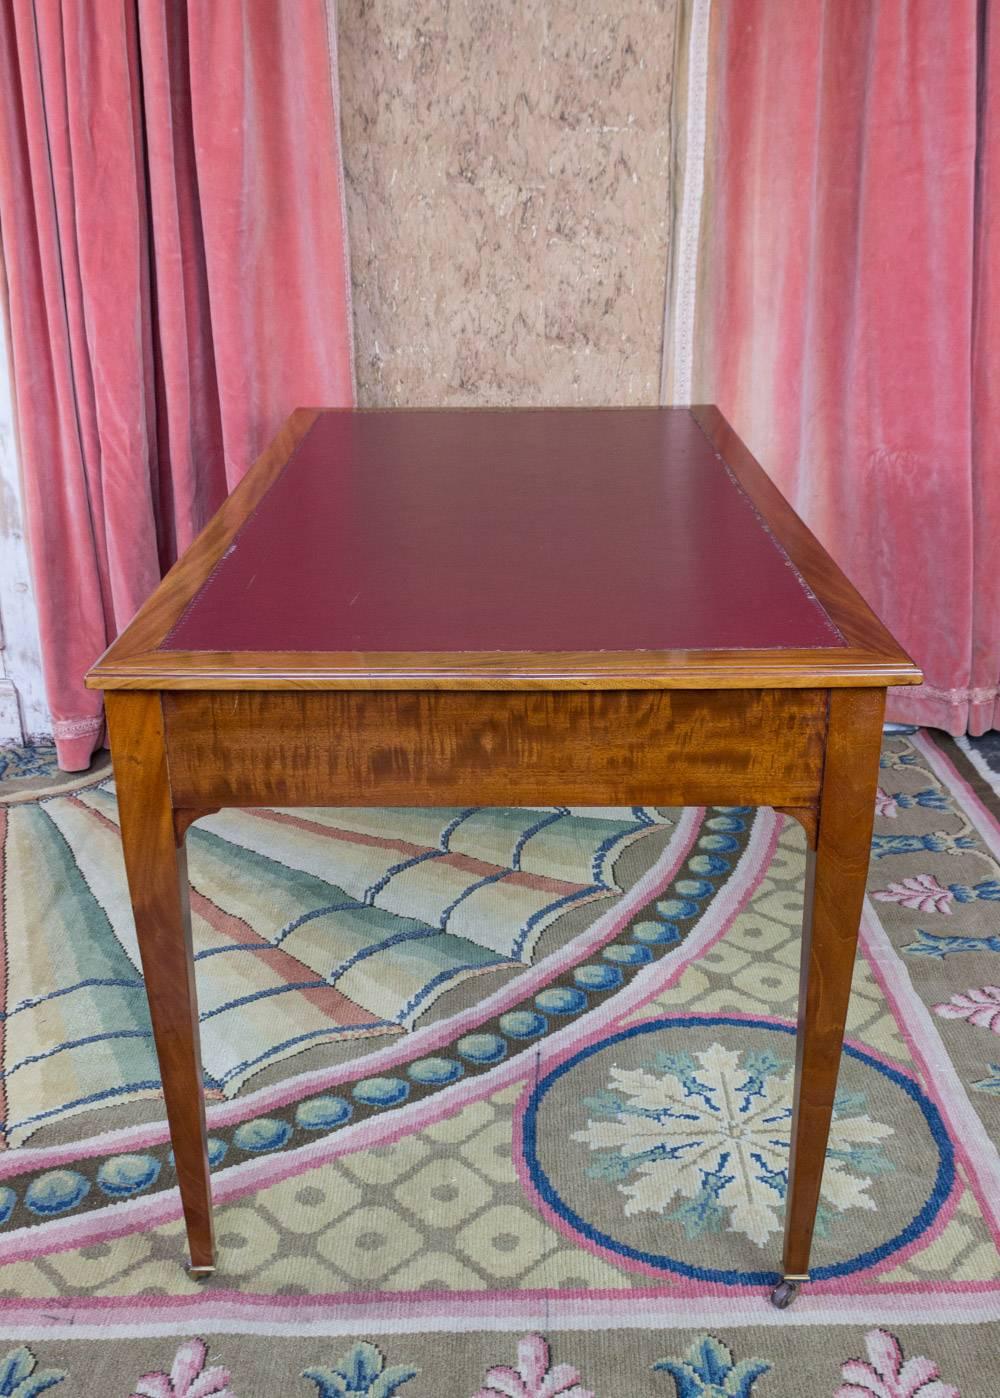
(437,748)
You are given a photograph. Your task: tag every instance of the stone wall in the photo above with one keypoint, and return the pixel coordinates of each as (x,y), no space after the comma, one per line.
(507,167)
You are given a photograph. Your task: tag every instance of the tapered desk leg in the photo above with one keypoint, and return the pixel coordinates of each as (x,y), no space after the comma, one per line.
(835,889)
(157,876)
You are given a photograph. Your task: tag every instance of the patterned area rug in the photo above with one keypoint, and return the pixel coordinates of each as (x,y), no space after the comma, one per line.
(499,1103)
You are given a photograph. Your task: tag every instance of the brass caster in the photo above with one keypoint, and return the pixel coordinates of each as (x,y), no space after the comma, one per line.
(199,1273)
(786,1291)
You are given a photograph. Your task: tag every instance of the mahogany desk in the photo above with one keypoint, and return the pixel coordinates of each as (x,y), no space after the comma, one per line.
(605,607)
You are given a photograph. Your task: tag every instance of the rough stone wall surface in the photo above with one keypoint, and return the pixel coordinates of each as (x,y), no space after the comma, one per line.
(507,170)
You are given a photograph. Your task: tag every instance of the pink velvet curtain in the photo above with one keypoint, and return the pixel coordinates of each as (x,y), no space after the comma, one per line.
(173,236)
(847,305)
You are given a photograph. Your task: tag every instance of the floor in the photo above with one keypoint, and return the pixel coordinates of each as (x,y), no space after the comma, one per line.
(499,1103)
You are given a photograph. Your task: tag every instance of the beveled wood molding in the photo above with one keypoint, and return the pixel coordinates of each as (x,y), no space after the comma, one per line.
(846,667)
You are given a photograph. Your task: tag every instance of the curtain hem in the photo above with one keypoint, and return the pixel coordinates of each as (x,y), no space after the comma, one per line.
(956,711)
(76,740)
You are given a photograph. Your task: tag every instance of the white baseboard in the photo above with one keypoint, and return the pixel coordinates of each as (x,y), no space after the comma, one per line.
(10,714)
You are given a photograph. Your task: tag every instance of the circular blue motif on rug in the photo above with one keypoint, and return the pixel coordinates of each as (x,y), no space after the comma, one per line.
(667,1145)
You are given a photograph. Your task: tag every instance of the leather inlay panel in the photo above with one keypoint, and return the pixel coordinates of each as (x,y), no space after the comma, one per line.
(558,530)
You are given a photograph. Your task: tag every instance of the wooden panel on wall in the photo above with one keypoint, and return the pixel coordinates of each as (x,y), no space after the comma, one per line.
(507,175)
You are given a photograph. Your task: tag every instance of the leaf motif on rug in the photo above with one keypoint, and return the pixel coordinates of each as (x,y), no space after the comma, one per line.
(921,892)
(33,760)
(716,1133)
(888,1375)
(533,1377)
(708,1371)
(20,1376)
(188,1377)
(360,1371)
(979,1006)
(938,945)
(990,1084)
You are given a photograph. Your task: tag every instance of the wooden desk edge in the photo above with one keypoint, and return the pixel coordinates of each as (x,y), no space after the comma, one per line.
(871,658)
(484,670)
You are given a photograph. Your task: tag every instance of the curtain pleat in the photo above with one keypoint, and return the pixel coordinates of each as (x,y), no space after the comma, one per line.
(174,245)
(845,318)
(984,705)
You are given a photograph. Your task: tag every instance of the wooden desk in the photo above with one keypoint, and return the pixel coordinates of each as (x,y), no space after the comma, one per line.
(523,607)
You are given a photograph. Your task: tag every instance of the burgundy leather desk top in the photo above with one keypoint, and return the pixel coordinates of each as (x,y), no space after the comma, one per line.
(522,530)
